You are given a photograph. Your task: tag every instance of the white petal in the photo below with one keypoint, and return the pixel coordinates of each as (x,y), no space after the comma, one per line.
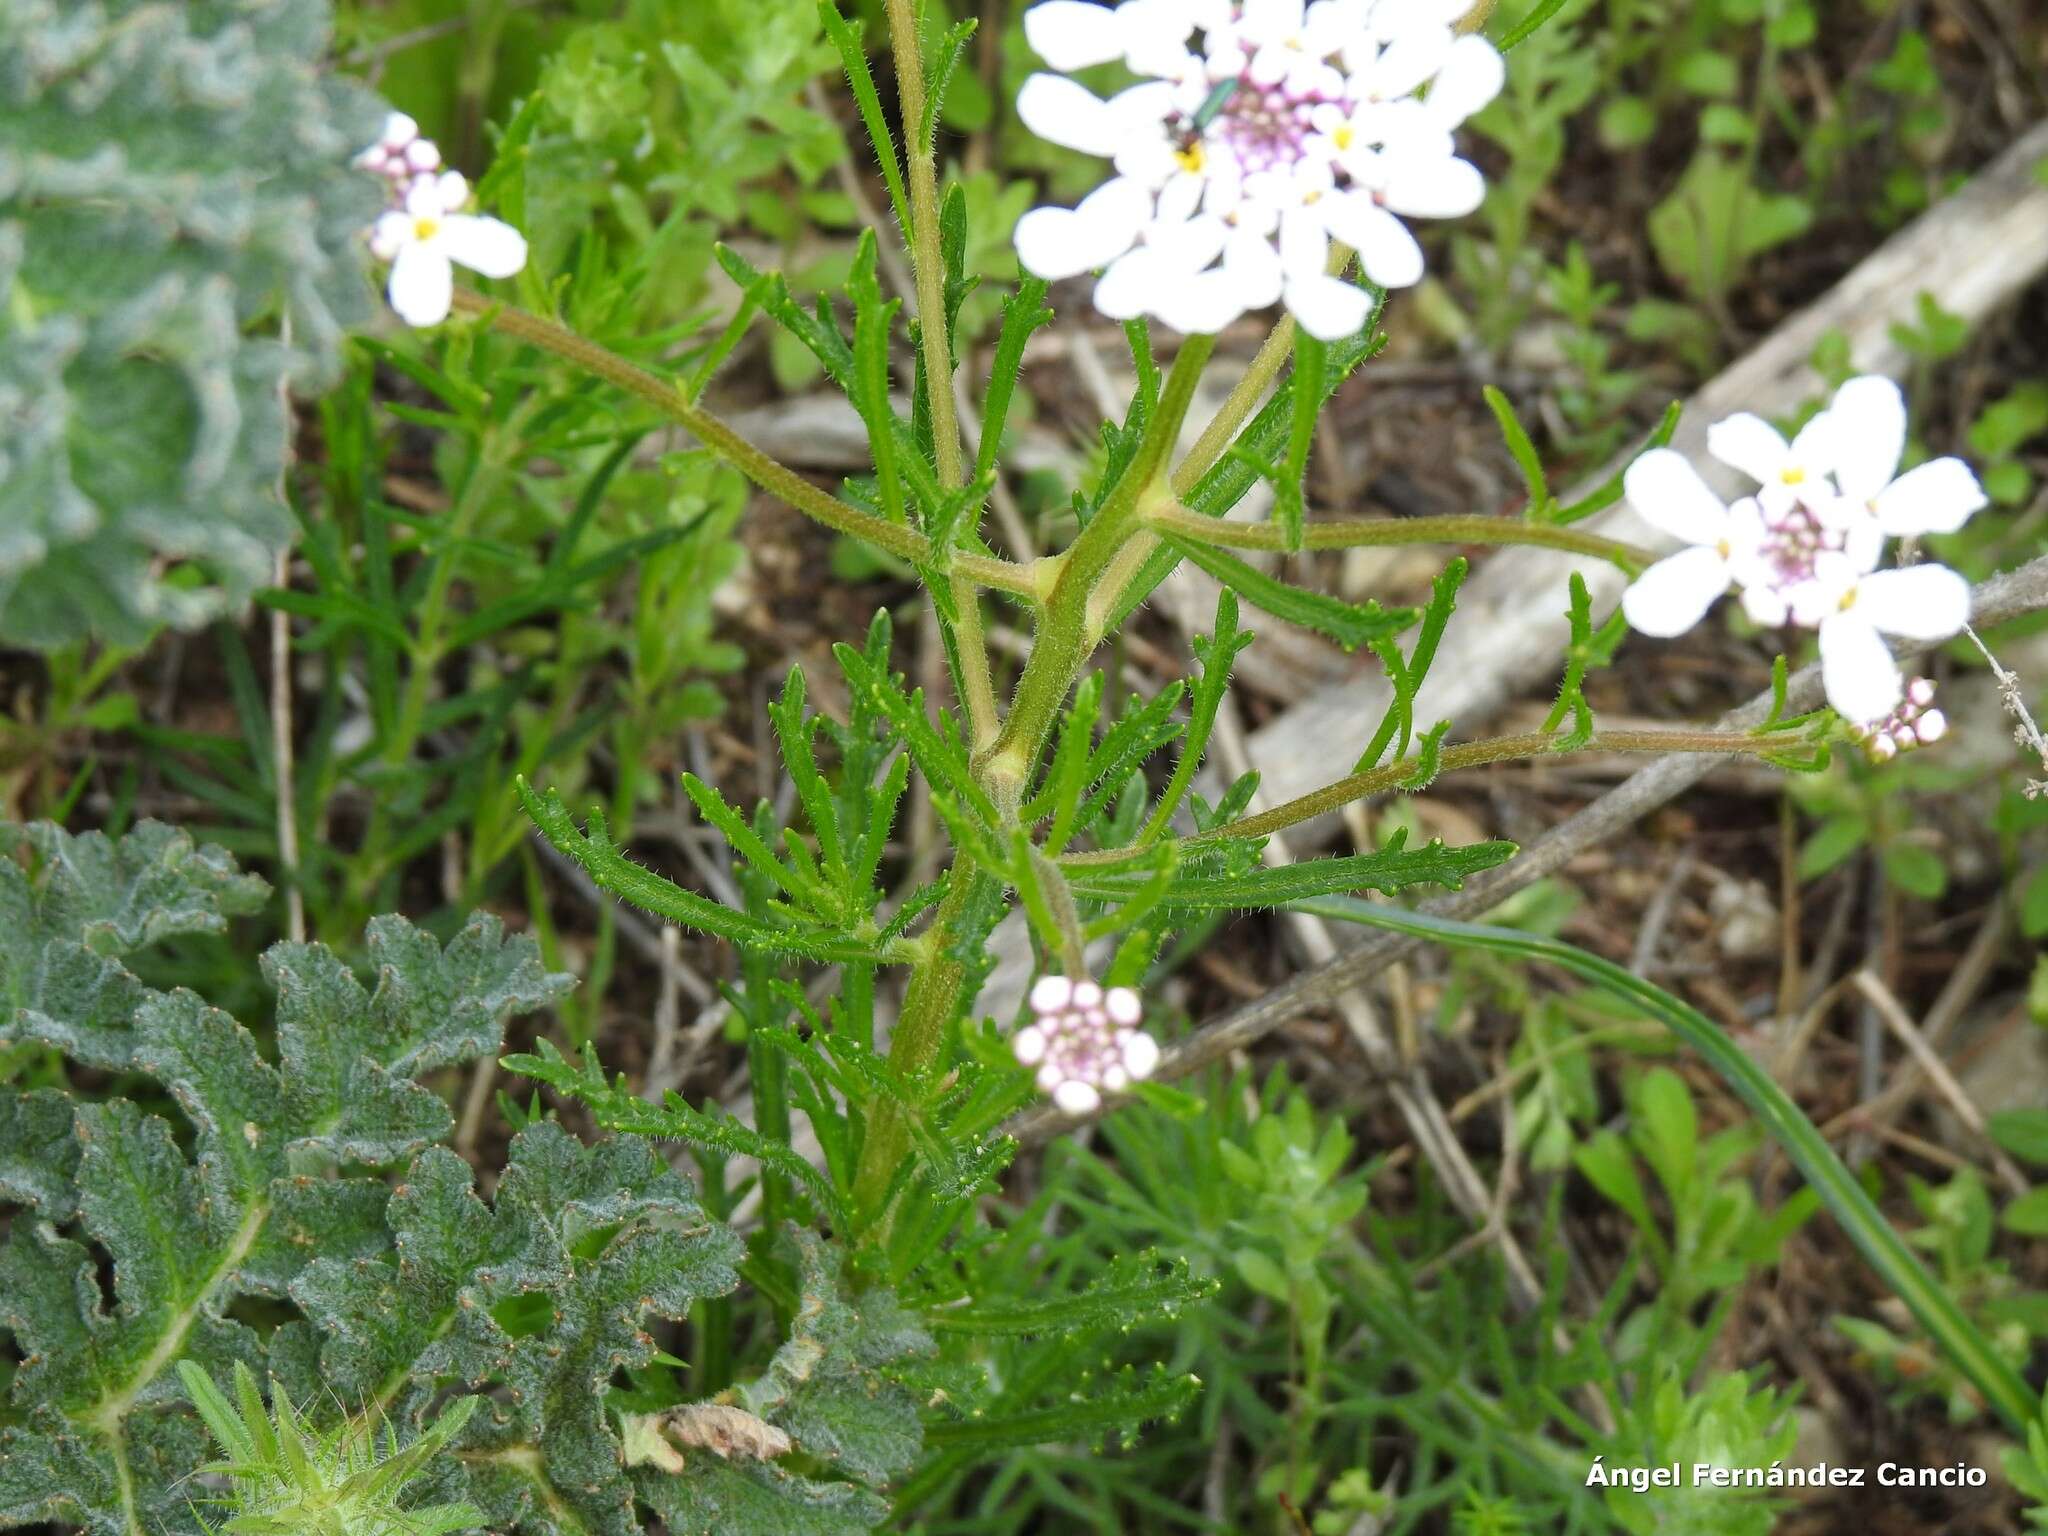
(1863,543)
(1304,240)
(1471,76)
(423,199)
(1869,415)
(1141,1054)
(490,247)
(1765,606)
(1857,670)
(1749,443)
(1385,249)
(1087,994)
(1675,593)
(1189,245)
(1123,1005)
(1813,449)
(1936,497)
(389,235)
(1077,1097)
(452,189)
(422,284)
(1050,1076)
(1131,286)
(1254,268)
(1433,189)
(1073,34)
(422,154)
(1051,994)
(1921,602)
(1196,304)
(1410,59)
(1067,113)
(1328,308)
(399,130)
(1028,1045)
(1669,495)
(1062,242)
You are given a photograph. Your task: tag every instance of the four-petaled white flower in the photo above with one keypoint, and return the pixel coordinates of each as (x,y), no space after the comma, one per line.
(425,240)
(1235,168)
(1805,548)
(1084,1041)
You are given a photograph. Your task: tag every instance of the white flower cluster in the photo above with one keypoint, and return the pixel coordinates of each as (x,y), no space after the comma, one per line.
(1805,548)
(1084,1041)
(1261,131)
(423,234)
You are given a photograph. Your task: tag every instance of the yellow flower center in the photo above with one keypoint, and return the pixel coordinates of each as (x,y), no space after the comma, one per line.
(425,228)
(1848,600)
(1792,475)
(1190,156)
(1344,136)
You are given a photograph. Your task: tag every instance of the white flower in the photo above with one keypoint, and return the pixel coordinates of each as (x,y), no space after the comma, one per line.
(1084,1041)
(1296,124)
(426,238)
(1914,723)
(1867,420)
(1675,593)
(1785,472)
(1860,607)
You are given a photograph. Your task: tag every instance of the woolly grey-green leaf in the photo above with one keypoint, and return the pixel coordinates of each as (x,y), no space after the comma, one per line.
(92,1435)
(179,234)
(82,904)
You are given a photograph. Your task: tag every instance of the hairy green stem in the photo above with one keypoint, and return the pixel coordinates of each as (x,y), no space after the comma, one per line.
(1237,407)
(928,270)
(777,479)
(1470,754)
(1065,634)
(1354,532)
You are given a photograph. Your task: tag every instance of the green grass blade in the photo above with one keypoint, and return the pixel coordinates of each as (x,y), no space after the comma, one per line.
(1887,1252)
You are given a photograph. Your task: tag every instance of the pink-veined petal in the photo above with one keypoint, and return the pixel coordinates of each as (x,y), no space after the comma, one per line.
(1920,602)
(1869,416)
(1448,188)
(1856,668)
(1669,495)
(486,246)
(1675,593)
(422,284)
(1067,113)
(1936,497)
(1385,249)
(1073,34)
(1328,308)
(1749,443)
(1062,242)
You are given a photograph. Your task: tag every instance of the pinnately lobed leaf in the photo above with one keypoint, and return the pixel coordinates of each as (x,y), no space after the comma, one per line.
(376,1299)
(179,233)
